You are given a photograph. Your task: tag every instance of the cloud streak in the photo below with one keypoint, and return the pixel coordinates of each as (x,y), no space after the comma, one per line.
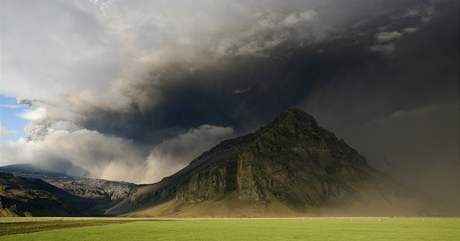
(4,132)
(10,106)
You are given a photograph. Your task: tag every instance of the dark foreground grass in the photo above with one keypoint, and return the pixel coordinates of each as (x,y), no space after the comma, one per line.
(315,229)
(30,226)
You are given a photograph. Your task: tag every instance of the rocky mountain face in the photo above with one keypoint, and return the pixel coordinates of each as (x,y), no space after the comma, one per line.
(26,185)
(21,196)
(94,188)
(79,186)
(292,165)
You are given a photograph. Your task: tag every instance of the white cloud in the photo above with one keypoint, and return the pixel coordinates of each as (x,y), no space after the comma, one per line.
(72,53)
(383,37)
(385,41)
(114,158)
(89,150)
(37,114)
(10,106)
(296,18)
(174,154)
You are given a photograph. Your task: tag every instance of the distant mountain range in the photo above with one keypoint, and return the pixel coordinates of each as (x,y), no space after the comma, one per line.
(290,167)
(23,184)
(20,196)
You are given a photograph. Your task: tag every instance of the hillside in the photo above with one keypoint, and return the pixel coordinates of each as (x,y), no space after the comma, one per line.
(290,167)
(99,189)
(20,196)
(25,183)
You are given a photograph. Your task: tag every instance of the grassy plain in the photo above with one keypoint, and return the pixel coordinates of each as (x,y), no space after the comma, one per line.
(311,229)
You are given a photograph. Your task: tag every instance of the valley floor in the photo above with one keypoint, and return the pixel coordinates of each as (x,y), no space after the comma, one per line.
(312,229)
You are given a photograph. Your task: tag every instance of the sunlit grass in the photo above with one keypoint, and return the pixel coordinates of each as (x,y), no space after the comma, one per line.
(314,229)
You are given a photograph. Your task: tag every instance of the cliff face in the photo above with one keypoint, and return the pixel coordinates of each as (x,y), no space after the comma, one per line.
(97,189)
(292,161)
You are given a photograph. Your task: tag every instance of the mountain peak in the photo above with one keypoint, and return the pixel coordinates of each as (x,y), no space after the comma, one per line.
(295,115)
(292,123)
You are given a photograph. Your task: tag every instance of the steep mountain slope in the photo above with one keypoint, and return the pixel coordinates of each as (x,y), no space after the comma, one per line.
(20,196)
(80,195)
(292,166)
(94,188)
(90,188)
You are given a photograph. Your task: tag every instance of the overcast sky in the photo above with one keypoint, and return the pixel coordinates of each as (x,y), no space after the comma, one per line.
(134,90)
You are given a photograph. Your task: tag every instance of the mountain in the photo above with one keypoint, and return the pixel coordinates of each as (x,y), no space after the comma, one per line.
(290,167)
(21,196)
(29,170)
(79,186)
(97,195)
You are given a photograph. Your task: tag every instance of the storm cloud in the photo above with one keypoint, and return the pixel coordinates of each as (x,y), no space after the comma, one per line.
(134,90)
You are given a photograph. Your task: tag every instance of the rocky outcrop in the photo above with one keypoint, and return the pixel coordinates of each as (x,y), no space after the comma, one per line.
(94,188)
(209,184)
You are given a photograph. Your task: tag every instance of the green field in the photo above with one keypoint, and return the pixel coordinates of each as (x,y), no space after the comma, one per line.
(314,229)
